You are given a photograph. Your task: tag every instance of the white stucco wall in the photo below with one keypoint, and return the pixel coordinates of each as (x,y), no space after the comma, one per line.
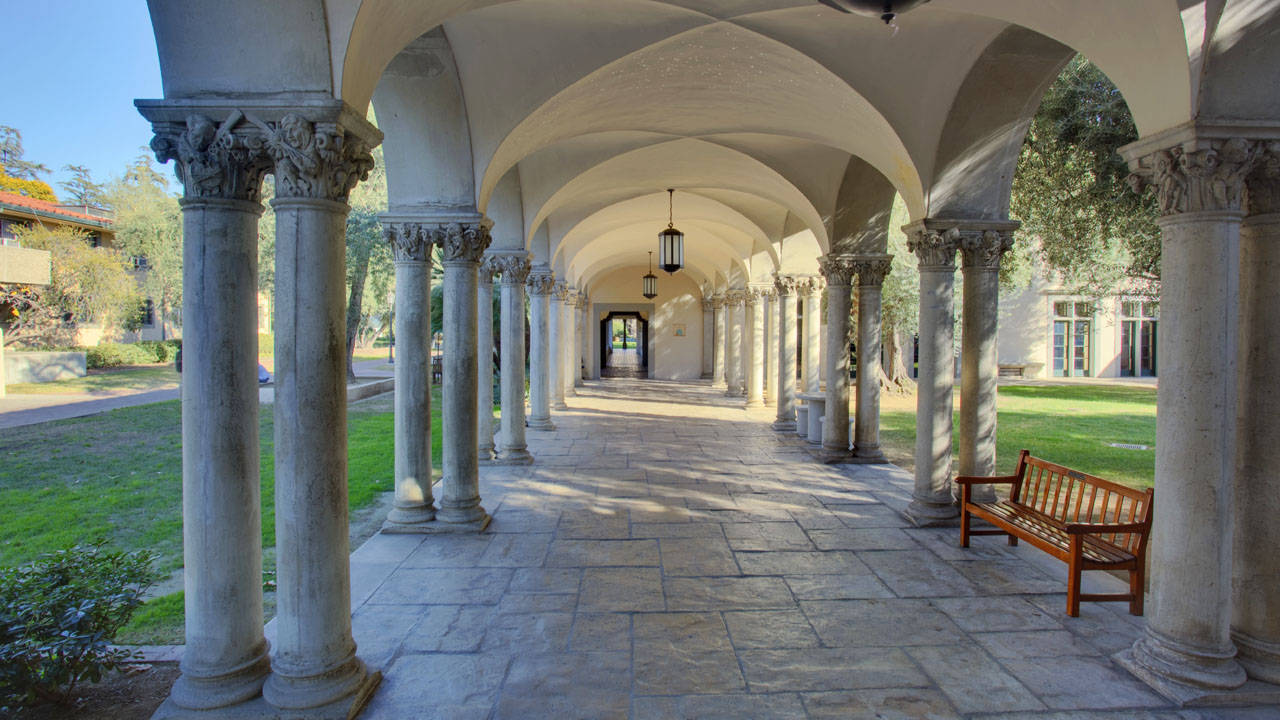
(679,302)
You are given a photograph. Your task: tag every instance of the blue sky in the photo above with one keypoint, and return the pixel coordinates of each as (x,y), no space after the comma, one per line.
(72,70)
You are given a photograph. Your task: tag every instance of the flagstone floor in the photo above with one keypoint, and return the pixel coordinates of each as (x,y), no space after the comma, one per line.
(671,556)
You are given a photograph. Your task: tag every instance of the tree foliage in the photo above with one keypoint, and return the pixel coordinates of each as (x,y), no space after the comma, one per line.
(1078,213)
(34,189)
(369,264)
(148,225)
(12,160)
(900,304)
(81,188)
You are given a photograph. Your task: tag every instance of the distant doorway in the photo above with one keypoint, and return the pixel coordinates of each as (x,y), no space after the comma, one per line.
(624,338)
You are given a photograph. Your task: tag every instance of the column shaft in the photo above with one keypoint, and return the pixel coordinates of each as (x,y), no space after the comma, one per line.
(786,420)
(812,336)
(733,344)
(484,363)
(570,344)
(512,447)
(771,352)
(742,314)
(708,338)
(979,356)
(866,424)
(555,352)
(719,344)
(540,288)
(838,271)
(755,379)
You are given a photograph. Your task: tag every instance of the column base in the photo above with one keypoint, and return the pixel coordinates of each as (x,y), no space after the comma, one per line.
(705,376)
(869,455)
(834,456)
(539,424)
(344,689)
(514,456)
(259,709)
(409,516)
(468,515)
(719,384)
(1259,658)
(1185,675)
(485,454)
(784,425)
(559,405)
(932,514)
(206,693)
(755,403)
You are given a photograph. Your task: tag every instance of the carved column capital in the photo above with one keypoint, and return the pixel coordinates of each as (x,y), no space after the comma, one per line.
(708,305)
(560,291)
(717,301)
(314,160)
(1262,186)
(213,160)
(513,267)
(934,249)
(581,301)
(837,269)
(410,242)
(462,242)
(1197,175)
(763,291)
(488,268)
(983,250)
(541,283)
(873,269)
(785,284)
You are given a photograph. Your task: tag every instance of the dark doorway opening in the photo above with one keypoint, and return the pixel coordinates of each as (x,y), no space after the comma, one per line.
(624,340)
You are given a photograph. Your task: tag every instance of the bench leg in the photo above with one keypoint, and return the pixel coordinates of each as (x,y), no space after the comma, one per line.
(1013,541)
(1073,576)
(964,528)
(1135,589)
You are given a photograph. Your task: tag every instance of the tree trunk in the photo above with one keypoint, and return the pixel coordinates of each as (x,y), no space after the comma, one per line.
(894,376)
(359,271)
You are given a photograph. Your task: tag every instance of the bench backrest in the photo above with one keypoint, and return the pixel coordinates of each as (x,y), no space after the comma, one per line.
(1072,496)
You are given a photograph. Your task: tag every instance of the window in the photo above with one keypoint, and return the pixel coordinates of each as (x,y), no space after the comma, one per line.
(148,314)
(8,234)
(1072,350)
(1138,338)
(140,262)
(95,240)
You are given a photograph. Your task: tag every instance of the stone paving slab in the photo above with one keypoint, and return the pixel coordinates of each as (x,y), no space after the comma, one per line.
(669,556)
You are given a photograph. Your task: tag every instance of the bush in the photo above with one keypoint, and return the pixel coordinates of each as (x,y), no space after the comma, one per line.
(58,615)
(146,352)
(164,351)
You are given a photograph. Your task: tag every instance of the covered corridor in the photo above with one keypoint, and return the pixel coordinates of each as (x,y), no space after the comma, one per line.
(671,556)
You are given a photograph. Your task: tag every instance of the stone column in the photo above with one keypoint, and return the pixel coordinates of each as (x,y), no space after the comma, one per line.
(1255,624)
(811,292)
(226,655)
(871,270)
(708,338)
(464,245)
(484,360)
(838,270)
(979,356)
(1186,651)
(580,317)
(935,246)
(733,342)
(785,285)
(414,506)
(755,359)
(315,663)
(514,268)
(569,344)
(555,351)
(742,319)
(541,286)
(771,351)
(719,344)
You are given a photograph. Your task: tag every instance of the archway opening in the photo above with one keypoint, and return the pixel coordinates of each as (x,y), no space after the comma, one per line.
(624,342)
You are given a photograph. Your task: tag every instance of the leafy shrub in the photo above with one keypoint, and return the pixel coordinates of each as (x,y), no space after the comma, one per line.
(164,351)
(146,352)
(58,615)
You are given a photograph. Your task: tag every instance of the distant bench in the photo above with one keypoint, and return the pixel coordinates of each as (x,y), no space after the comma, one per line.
(1085,521)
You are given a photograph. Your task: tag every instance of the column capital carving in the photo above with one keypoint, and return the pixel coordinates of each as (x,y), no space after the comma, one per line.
(763,290)
(717,301)
(934,241)
(1196,173)
(513,267)
(488,268)
(560,291)
(812,285)
(213,160)
(786,284)
(837,269)
(541,282)
(581,301)
(462,242)
(708,305)
(315,160)
(1262,186)
(410,242)
(984,250)
(872,269)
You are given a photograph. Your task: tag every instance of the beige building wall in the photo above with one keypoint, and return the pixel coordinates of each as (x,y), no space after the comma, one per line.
(679,303)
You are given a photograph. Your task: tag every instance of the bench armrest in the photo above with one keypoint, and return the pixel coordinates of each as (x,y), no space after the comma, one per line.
(981,480)
(1105,528)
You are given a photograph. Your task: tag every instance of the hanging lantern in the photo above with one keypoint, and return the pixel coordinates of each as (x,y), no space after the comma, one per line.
(650,281)
(886,10)
(670,241)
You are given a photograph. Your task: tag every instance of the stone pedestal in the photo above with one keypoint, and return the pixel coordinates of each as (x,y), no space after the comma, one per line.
(755,346)
(979,360)
(411,245)
(718,342)
(464,244)
(708,338)
(816,406)
(512,447)
(1186,651)
(871,271)
(935,246)
(810,291)
(541,286)
(838,271)
(785,285)
(484,361)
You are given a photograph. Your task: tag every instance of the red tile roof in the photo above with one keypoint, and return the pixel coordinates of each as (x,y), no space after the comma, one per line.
(47,208)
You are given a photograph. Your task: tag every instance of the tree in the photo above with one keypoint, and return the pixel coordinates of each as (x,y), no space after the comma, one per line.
(88,284)
(12,161)
(148,227)
(1071,193)
(81,189)
(900,304)
(368,256)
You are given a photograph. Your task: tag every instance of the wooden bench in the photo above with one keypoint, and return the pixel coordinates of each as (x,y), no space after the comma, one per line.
(1085,521)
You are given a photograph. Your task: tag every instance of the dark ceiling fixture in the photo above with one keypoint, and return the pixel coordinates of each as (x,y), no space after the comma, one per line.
(671,240)
(886,10)
(650,281)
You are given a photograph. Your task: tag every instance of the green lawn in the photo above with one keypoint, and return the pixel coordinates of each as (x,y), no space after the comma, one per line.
(1069,424)
(118,476)
(115,380)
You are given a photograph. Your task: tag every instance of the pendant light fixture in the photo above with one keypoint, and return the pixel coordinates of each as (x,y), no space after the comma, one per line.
(650,281)
(886,10)
(671,240)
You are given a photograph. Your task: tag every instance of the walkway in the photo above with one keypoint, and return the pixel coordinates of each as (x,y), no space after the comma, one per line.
(624,363)
(671,556)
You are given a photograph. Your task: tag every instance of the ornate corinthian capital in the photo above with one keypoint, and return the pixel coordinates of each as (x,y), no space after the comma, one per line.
(316,160)
(410,242)
(513,267)
(541,282)
(213,160)
(872,269)
(708,305)
(786,284)
(983,249)
(1197,175)
(1263,184)
(934,249)
(488,268)
(462,242)
(837,269)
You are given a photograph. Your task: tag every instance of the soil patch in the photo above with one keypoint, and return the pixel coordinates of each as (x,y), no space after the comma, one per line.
(133,693)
